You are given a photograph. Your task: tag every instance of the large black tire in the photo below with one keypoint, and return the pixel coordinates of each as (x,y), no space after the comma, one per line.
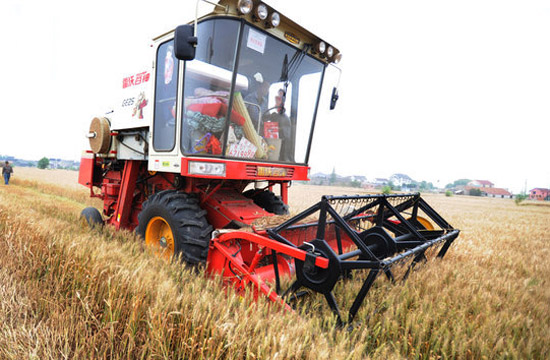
(91,217)
(174,223)
(268,201)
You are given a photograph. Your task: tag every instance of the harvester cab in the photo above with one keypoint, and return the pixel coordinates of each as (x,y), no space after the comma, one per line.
(198,143)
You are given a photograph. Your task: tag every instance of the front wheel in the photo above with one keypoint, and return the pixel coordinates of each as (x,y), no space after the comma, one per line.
(174,225)
(268,201)
(90,217)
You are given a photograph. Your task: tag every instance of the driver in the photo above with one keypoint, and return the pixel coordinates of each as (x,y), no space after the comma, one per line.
(284,126)
(258,97)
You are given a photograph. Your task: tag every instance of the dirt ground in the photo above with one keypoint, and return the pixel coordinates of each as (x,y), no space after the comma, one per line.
(67,178)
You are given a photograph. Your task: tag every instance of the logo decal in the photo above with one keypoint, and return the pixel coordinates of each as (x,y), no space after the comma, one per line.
(140,104)
(136,79)
(292,38)
(271,171)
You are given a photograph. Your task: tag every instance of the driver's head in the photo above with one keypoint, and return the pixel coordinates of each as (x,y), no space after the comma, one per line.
(280,100)
(262,85)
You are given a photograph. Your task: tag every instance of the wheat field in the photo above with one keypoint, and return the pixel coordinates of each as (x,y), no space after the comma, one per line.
(71,293)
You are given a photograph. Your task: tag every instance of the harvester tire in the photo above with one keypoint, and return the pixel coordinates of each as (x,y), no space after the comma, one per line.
(91,217)
(268,201)
(174,224)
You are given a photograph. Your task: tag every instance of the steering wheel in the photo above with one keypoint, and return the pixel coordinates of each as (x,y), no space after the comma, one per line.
(268,110)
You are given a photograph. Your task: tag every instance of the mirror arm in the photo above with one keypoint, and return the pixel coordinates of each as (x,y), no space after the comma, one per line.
(226,8)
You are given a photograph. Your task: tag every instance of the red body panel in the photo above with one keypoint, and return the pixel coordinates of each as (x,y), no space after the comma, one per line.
(86,172)
(126,193)
(125,185)
(246,170)
(229,205)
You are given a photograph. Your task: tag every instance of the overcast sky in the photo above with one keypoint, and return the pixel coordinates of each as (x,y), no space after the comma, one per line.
(438,90)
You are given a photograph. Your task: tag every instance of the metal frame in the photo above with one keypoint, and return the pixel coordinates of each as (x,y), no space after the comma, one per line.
(374,249)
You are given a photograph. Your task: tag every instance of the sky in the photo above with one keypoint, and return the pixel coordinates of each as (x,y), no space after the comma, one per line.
(438,90)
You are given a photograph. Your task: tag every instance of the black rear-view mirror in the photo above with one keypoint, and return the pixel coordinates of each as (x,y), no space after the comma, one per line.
(333,98)
(185,42)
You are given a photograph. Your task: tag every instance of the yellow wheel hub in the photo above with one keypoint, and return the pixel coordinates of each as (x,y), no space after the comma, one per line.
(159,237)
(84,223)
(425,222)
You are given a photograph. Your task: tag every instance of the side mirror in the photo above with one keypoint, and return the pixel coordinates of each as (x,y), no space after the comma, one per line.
(185,42)
(333,98)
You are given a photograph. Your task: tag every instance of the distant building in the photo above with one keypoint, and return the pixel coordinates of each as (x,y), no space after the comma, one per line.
(490,191)
(362,179)
(380,181)
(320,179)
(401,180)
(481,184)
(539,194)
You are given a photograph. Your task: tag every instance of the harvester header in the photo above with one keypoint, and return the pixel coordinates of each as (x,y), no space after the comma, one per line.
(203,146)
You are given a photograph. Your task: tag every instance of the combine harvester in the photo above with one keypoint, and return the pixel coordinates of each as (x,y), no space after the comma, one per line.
(197,143)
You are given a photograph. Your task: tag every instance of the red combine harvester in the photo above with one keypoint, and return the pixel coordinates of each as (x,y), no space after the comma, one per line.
(195,148)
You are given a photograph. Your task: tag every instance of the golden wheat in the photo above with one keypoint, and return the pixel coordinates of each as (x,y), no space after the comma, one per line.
(67,292)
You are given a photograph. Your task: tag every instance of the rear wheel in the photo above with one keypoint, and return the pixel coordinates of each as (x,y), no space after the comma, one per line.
(174,225)
(90,217)
(268,201)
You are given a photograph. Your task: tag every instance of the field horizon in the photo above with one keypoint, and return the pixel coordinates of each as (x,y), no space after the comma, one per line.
(67,292)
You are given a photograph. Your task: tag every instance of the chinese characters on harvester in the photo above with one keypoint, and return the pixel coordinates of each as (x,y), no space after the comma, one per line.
(135,79)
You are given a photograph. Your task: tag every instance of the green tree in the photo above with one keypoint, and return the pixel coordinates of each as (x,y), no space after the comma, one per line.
(43,163)
(424,185)
(386,190)
(459,182)
(520,197)
(475,192)
(333,178)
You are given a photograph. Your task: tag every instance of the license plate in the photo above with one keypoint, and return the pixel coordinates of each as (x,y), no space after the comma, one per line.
(271,171)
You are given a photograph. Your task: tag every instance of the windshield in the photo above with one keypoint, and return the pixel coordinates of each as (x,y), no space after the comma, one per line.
(273,102)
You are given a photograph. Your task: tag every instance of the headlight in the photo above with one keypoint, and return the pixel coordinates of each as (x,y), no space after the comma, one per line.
(275,19)
(321,47)
(261,12)
(330,51)
(206,168)
(245,6)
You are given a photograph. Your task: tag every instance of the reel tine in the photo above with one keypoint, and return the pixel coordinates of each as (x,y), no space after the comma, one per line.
(362,293)
(334,307)
(291,289)
(389,274)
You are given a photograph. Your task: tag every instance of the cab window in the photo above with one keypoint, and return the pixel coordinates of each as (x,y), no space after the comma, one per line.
(164,134)
(207,85)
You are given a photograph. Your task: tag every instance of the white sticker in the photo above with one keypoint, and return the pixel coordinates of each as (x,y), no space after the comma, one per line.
(243,149)
(256,41)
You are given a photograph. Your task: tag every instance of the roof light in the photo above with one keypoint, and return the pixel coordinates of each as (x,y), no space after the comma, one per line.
(274,19)
(261,12)
(330,51)
(321,47)
(337,58)
(245,6)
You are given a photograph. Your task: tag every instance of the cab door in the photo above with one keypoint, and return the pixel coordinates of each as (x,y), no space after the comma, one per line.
(164,151)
